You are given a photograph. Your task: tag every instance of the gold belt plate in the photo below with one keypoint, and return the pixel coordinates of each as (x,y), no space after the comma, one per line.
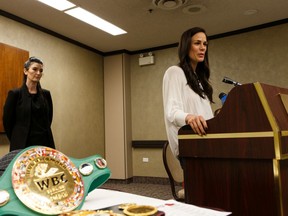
(47,181)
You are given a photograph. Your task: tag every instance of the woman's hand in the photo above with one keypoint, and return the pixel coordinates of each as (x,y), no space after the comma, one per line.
(197,123)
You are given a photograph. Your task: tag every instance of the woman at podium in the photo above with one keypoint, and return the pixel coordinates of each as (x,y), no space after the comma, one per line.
(187,93)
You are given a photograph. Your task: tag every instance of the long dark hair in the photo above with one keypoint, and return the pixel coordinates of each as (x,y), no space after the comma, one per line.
(202,73)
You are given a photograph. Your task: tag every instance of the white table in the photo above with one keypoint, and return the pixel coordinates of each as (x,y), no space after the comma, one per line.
(102,198)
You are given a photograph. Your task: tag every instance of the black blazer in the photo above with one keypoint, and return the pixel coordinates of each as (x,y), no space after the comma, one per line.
(17,117)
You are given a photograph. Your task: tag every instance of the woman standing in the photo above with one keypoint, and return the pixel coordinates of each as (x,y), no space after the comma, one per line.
(28,110)
(187,93)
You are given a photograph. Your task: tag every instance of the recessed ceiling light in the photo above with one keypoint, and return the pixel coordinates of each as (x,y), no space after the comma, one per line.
(169,4)
(194,9)
(250,12)
(95,21)
(58,4)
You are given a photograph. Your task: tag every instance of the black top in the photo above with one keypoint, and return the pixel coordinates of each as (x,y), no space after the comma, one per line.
(27,118)
(39,121)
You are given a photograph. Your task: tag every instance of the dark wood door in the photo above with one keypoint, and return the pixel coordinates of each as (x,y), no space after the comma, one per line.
(11,72)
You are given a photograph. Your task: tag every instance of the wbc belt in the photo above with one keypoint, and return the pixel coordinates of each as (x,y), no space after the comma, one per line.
(44,181)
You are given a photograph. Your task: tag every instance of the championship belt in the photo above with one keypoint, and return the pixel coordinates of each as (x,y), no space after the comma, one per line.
(43,181)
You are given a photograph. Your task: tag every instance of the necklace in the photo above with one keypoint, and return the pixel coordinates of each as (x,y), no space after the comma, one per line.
(199,83)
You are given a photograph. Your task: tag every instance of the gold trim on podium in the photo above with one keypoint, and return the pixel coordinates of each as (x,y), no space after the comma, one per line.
(271,119)
(229,135)
(278,185)
(284,99)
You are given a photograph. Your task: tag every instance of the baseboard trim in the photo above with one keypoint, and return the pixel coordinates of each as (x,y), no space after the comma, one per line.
(141,179)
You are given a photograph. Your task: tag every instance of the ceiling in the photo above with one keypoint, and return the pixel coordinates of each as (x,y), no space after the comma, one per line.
(148,25)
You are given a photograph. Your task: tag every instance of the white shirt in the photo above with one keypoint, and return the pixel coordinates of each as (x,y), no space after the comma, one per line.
(179,100)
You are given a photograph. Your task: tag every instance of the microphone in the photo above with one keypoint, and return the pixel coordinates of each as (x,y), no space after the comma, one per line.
(222,97)
(230,81)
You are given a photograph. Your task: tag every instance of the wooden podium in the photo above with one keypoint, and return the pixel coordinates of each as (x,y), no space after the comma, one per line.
(241,165)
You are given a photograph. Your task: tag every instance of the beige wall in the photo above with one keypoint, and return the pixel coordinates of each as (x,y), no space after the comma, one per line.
(147,110)
(255,56)
(75,78)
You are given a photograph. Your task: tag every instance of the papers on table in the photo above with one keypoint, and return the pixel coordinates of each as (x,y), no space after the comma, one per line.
(173,208)
(102,198)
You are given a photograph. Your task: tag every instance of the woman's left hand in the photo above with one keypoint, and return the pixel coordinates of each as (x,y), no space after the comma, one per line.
(197,123)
